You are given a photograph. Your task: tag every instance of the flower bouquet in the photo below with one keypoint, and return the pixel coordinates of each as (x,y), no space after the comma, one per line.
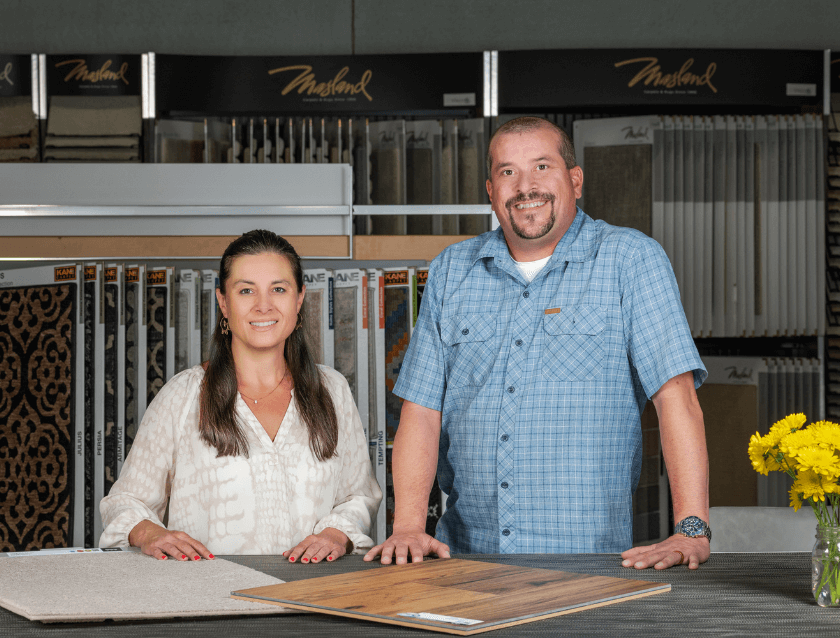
(811,456)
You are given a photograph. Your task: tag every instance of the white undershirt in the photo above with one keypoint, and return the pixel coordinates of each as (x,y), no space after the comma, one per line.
(529,269)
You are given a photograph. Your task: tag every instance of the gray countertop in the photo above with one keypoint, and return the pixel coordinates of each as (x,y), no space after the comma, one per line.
(731,595)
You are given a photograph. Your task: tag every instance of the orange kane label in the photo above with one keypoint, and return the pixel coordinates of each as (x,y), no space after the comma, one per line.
(155,277)
(65,273)
(132,275)
(90,273)
(110,274)
(422,276)
(399,278)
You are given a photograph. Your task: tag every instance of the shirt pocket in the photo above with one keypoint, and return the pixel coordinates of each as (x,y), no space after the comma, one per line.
(469,344)
(574,344)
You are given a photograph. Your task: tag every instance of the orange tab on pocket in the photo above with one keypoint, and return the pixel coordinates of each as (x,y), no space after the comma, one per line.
(552,311)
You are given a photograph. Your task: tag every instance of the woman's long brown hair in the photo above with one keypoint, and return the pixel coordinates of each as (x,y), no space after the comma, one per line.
(218,424)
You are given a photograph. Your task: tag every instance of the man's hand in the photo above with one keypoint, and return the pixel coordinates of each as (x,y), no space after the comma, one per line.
(157,541)
(667,553)
(328,544)
(404,542)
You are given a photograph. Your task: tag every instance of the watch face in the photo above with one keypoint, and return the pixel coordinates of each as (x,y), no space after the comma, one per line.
(693,526)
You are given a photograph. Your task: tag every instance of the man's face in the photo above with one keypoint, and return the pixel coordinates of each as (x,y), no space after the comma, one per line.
(532,192)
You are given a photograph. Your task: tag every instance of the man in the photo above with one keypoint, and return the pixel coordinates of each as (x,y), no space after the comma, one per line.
(535,351)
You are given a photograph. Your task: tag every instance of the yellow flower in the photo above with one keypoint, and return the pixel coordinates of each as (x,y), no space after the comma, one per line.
(791,443)
(809,484)
(787,425)
(762,453)
(826,434)
(795,498)
(818,460)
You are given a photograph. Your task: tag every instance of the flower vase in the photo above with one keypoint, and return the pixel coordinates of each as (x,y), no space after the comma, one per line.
(825,567)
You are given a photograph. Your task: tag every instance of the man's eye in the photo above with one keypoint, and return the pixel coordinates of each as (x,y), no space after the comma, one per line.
(279,289)
(542,167)
(507,171)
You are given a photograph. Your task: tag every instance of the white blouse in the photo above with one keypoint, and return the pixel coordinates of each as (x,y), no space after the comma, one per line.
(263,504)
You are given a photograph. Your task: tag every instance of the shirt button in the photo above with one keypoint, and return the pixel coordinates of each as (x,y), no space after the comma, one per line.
(465,331)
(504,485)
(511,389)
(526,294)
(519,342)
(505,532)
(504,437)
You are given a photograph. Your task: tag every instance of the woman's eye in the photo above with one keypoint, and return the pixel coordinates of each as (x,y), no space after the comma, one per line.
(279,289)
(245,291)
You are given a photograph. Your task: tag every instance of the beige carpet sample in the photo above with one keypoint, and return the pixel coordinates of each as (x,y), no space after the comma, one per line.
(92,587)
(96,116)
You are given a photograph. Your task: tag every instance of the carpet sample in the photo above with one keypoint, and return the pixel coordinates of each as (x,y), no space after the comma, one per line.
(37,364)
(125,585)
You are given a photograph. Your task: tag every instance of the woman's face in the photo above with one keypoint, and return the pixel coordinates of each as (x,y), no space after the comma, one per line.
(262,301)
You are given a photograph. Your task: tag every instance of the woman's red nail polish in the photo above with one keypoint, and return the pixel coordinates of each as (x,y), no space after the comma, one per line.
(197,558)
(291,559)
(304,560)
(184,556)
(329,557)
(211,556)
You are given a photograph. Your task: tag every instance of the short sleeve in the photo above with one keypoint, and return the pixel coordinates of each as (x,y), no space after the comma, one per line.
(658,337)
(421,378)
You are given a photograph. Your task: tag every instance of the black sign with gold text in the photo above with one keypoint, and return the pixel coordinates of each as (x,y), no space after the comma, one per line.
(94,75)
(15,75)
(323,84)
(609,78)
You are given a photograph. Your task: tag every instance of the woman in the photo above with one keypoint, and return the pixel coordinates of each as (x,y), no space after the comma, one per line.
(263,451)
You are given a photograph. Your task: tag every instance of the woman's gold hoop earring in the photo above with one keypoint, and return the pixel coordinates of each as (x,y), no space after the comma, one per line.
(225,325)
(299,321)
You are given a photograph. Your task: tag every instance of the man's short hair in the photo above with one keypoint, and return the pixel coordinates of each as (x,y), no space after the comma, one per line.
(527,124)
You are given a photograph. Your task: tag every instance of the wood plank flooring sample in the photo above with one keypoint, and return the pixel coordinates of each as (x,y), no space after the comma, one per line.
(453,596)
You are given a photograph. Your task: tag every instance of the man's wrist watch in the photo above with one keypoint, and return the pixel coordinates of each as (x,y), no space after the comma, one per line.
(693,527)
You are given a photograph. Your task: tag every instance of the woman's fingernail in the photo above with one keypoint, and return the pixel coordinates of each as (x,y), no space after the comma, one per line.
(291,559)
(304,560)
(183,557)
(211,556)
(329,557)
(163,557)
(197,558)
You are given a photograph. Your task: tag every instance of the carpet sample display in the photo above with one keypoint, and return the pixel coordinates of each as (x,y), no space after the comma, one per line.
(125,585)
(398,315)
(135,352)
(312,310)
(38,350)
(18,130)
(618,185)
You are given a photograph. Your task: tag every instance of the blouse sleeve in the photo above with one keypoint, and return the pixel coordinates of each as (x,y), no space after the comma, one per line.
(142,489)
(357,494)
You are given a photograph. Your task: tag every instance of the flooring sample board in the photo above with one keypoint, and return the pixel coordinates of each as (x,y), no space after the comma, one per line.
(668,151)
(16,116)
(730,402)
(74,141)
(96,116)
(160,329)
(657,215)
(709,224)
(388,174)
(318,315)
(699,240)
(740,298)
(209,310)
(449,175)
(821,226)
(784,230)
(94,397)
(187,319)
(616,156)
(114,436)
(135,350)
(678,260)
(124,585)
(351,335)
(399,312)
(801,223)
(752,232)
(689,238)
(770,180)
(41,408)
(453,596)
(423,148)
(179,142)
(361,156)
(812,171)
(376,388)
(760,212)
(472,147)
(732,236)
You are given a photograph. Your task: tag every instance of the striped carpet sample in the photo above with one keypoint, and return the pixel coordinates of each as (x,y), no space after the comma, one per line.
(90,425)
(313,308)
(111,379)
(345,308)
(132,309)
(37,366)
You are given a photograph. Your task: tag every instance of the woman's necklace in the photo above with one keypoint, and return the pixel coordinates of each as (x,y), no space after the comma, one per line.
(270,393)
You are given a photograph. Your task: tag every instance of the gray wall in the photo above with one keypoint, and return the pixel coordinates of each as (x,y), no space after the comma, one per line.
(289,27)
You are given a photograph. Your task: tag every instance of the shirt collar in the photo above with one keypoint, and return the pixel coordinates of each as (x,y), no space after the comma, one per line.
(577,243)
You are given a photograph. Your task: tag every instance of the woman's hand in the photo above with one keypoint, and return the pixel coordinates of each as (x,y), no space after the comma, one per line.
(157,541)
(329,544)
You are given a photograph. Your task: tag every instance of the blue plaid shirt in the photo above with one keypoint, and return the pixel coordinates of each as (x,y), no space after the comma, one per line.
(541,386)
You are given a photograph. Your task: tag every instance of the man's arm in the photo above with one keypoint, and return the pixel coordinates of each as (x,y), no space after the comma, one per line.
(684,445)
(414,463)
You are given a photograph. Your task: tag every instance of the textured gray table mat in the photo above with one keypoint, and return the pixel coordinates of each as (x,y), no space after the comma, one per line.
(731,595)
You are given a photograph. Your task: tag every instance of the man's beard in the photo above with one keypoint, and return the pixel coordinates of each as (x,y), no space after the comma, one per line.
(543,230)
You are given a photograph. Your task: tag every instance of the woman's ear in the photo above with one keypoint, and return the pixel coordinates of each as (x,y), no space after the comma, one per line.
(222,303)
